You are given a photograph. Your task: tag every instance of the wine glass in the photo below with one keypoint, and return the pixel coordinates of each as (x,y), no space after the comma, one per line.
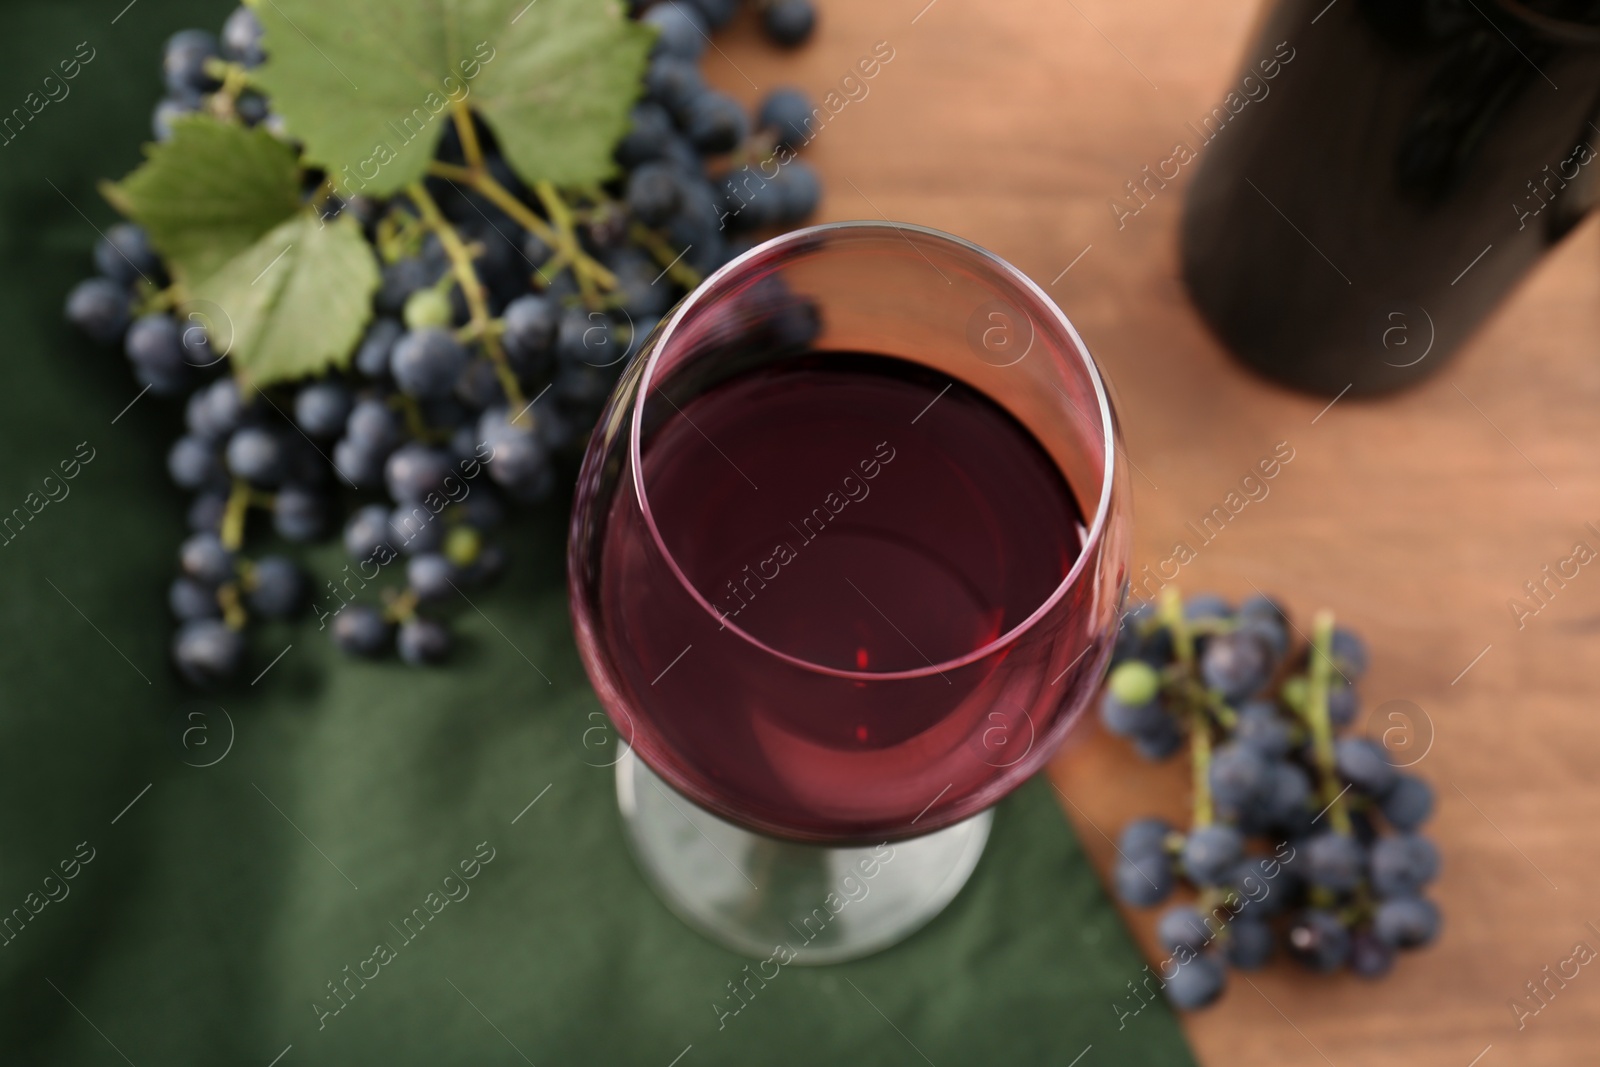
(847,558)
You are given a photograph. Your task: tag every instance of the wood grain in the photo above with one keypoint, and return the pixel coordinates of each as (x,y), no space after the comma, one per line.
(1415,518)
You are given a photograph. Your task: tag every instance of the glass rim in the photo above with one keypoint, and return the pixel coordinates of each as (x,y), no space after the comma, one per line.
(1097,526)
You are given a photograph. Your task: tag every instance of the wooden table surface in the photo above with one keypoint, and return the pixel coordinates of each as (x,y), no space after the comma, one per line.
(1415,518)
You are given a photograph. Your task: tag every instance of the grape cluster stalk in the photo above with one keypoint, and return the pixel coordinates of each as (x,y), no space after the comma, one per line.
(1303,836)
(505,315)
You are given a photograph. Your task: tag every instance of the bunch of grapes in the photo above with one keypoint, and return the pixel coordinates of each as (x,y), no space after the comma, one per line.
(499,329)
(1337,869)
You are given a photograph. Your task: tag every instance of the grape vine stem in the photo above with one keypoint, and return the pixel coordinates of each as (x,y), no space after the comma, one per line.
(558,234)
(1321,665)
(1199,721)
(671,261)
(471,288)
(462,116)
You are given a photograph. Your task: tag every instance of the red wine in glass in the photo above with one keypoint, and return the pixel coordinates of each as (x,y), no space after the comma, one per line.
(846,560)
(829,526)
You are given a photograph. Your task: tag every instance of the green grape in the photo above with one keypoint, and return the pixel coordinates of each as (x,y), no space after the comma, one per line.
(1135,682)
(427,307)
(461,545)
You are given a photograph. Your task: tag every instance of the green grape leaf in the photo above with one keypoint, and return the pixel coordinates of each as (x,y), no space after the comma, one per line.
(209,193)
(292,304)
(368,85)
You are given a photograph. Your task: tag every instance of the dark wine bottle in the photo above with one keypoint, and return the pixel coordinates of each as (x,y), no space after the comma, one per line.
(1412,161)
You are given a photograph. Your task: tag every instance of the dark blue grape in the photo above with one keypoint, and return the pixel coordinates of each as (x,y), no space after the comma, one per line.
(205,559)
(190,599)
(649,129)
(1402,864)
(717,13)
(479,385)
(372,357)
(214,411)
(1239,774)
(799,192)
(251,107)
(206,511)
(1261,607)
(367,531)
(1365,765)
(1350,653)
(207,651)
(1335,861)
(423,641)
(321,408)
(643,293)
(1142,837)
(789,115)
(715,123)
(673,82)
(1236,664)
(427,362)
(416,529)
(184,61)
(530,328)
(1206,606)
(1210,853)
(789,22)
(416,470)
(241,38)
(584,337)
(357,464)
(361,630)
(682,155)
(1248,944)
(1159,743)
(1343,703)
(123,254)
(430,576)
(100,308)
(402,278)
(1408,803)
(1182,927)
(194,464)
(197,350)
(168,111)
(1143,882)
(1262,728)
(1155,647)
(1318,940)
(1271,632)
(1406,922)
(1264,883)
(374,426)
(257,455)
(749,200)
(653,194)
(277,587)
(1197,982)
(524,472)
(155,348)
(1286,801)
(536,253)
(1132,720)
(681,31)
(300,514)
(1369,957)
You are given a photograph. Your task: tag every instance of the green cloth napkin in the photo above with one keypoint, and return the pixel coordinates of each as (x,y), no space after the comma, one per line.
(190,873)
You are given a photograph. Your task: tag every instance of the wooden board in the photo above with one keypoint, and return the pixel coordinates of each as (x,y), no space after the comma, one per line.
(1416,518)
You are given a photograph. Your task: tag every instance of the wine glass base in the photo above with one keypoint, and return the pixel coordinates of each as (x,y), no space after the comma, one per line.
(791,902)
